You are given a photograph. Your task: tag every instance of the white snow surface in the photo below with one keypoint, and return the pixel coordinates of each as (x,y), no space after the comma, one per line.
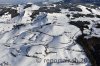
(36,42)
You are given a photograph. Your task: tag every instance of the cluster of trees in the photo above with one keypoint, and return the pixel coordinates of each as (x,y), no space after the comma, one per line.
(75,9)
(80,24)
(28,5)
(91,45)
(63,5)
(4,64)
(82,15)
(45,9)
(13,12)
(97,25)
(98,16)
(85,15)
(18,26)
(50,9)
(36,12)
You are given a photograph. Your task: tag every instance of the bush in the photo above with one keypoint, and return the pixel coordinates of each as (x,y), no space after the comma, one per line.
(68,15)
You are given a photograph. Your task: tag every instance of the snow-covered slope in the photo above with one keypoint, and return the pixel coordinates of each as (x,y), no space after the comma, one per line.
(47,35)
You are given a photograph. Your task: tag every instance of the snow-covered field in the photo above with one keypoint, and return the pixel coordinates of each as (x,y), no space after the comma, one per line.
(37,37)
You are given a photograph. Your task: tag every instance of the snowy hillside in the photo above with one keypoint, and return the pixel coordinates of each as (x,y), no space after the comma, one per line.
(52,35)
